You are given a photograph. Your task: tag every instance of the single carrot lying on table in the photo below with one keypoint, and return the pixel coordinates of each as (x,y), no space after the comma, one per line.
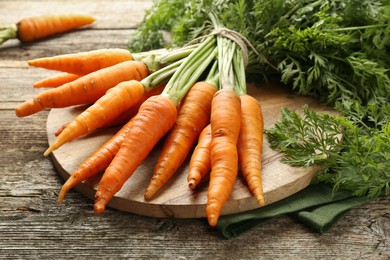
(39,27)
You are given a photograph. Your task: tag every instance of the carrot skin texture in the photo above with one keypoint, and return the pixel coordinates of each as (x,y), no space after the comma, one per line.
(96,162)
(56,80)
(83,63)
(84,90)
(194,115)
(40,27)
(156,117)
(200,163)
(250,145)
(117,99)
(225,126)
(125,116)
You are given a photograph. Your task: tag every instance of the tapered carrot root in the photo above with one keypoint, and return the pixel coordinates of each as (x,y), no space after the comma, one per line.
(117,100)
(84,90)
(155,118)
(194,115)
(225,126)
(39,27)
(83,62)
(125,116)
(56,80)
(200,163)
(250,144)
(97,162)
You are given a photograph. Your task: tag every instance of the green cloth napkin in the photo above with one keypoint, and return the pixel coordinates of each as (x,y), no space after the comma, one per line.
(317,206)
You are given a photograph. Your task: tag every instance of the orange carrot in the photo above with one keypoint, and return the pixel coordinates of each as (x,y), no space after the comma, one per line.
(250,144)
(194,115)
(155,117)
(96,162)
(56,80)
(225,126)
(200,163)
(83,62)
(40,27)
(84,90)
(125,116)
(117,99)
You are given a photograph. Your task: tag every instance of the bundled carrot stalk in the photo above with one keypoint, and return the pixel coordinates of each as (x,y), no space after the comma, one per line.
(40,27)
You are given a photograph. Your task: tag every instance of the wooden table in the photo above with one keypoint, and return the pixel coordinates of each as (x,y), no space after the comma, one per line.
(33,225)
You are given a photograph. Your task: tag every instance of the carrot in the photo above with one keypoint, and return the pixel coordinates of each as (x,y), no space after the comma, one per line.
(194,115)
(200,163)
(56,80)
(96,162)
(250,144)
(128,114)
(83,62)
(125,116)
(225,126)
(84,90)
(117,99)
(155,117)
(39,27)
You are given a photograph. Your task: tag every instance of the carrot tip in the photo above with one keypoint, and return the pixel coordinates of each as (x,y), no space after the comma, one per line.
(48,151)
(99,208)
(148,195)
(192,184)
(212,219)
(260,199)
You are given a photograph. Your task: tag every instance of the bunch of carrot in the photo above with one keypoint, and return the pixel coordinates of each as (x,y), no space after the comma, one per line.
(152,98)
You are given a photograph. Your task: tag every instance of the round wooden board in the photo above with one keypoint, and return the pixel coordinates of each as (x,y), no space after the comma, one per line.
(176,199)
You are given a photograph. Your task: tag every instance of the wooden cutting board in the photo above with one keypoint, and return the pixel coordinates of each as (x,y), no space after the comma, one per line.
(176,199)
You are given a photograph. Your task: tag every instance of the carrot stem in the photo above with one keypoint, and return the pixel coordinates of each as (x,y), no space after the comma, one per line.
(191,69)
(7,32)
(160,76)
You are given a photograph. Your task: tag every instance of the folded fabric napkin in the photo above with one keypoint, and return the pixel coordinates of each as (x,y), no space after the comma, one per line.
(317,206)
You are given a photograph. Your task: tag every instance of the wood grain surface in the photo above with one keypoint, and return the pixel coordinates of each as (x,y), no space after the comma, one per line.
(34,226)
